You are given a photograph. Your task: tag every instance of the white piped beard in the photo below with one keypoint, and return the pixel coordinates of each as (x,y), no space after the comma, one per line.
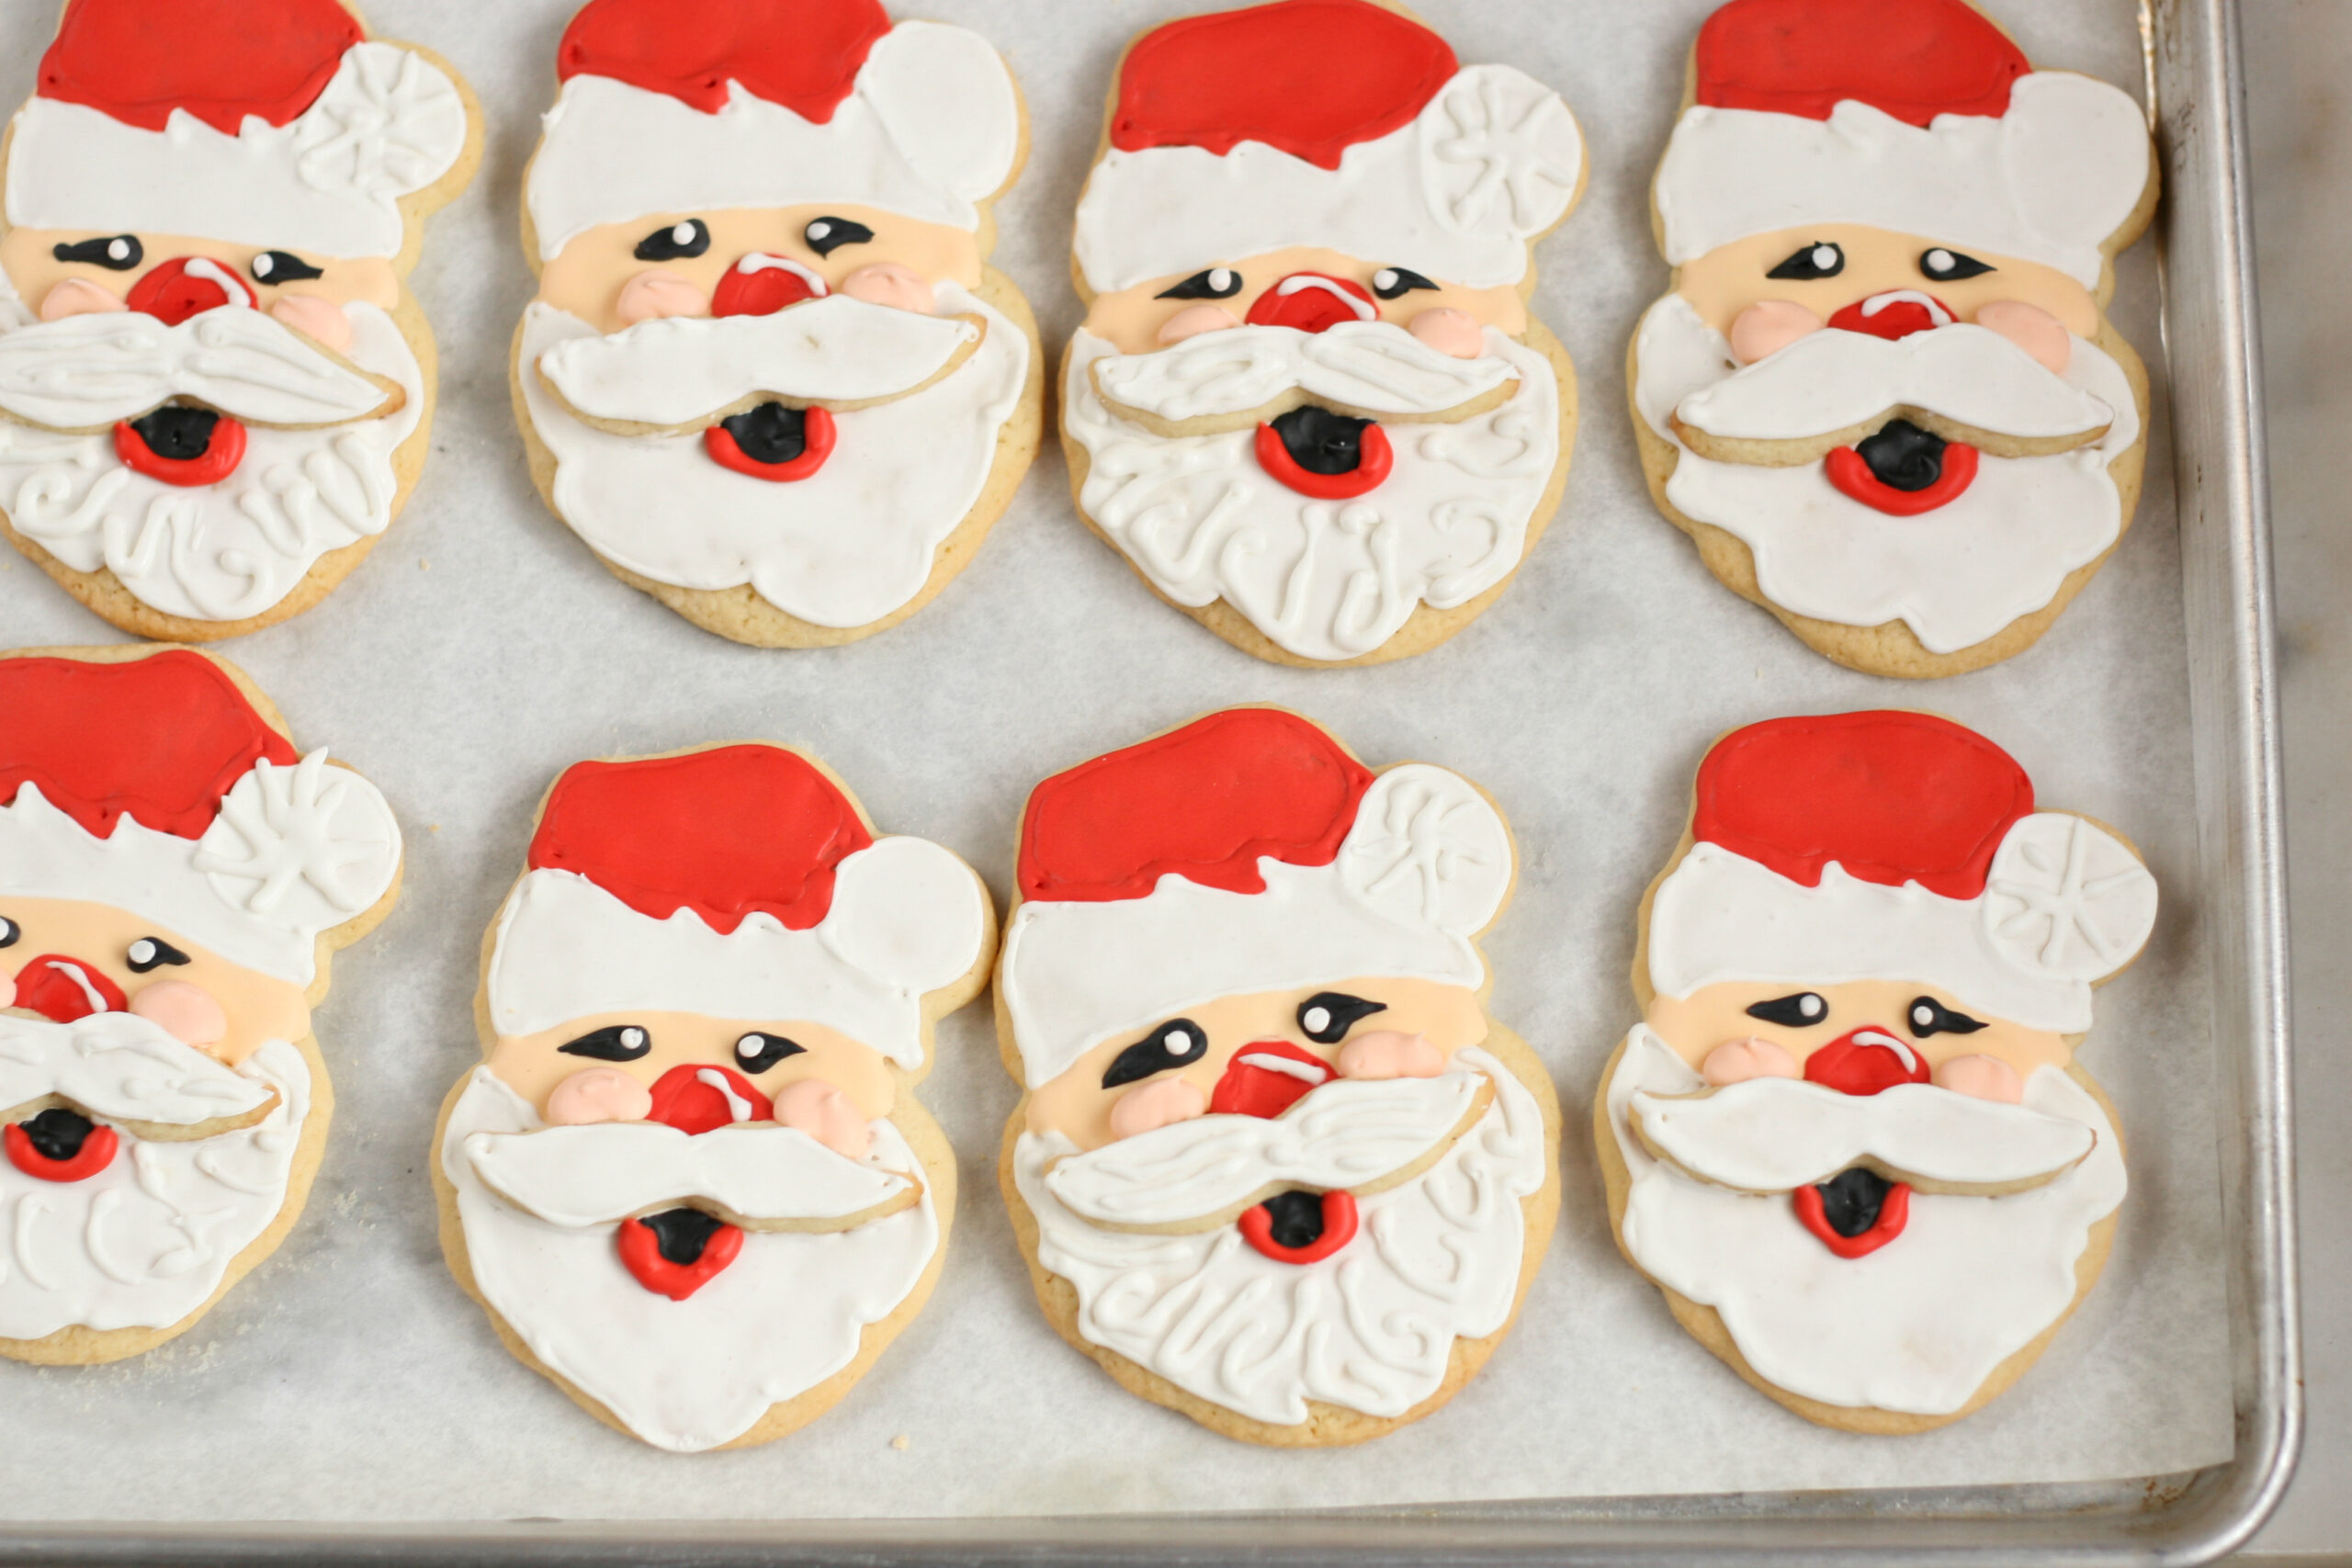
(144,1243)
(1957,575)
(1325,579)
(1916,1326)
(685,1375)
(1370,1329)
(225,551)
(844,546)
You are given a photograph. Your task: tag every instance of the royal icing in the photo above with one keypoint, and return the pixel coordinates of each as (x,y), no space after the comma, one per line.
(86,371)
(600,1173)
(122,1068)
(1368,366)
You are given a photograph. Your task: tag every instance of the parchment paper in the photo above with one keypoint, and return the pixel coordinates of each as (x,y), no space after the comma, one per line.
(481,648)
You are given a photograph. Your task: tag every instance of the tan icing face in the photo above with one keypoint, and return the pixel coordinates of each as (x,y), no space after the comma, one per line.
(1715,1015)
(255,1006)
(30,257)
(1077,1105)
(533,1064)
(1731,278)
(1130,319)
(586,277)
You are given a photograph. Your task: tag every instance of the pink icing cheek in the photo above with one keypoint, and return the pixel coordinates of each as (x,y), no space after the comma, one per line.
(826,1114)
(887,283)
(2031,328)
(188,1012)
(655,293)
(1195,320)
(1737,1061)
(77,297)
(320,319)
(1386,1053)
(1450,331)
(1768,326)
(1981,1078)
(1156,1104)
(598,1094)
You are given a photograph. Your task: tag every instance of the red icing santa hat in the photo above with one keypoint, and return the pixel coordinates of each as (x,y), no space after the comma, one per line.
(152,784)
(1895,846)
(768,103)
(736,881)
(1246,851)
(1919,115)
(262,122)
(1336,123)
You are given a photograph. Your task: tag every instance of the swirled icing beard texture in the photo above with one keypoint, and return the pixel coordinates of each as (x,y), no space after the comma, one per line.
(1957,575)
(1323,580)
(1371,1328)
(228,551)
(145,1241)
(844,546)
(1917,1326)
(685,1375)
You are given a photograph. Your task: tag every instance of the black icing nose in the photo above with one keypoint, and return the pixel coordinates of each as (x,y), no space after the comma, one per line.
(769,434)
(1322,441)
(680,1234)
(175,433)
(1297,1218)
(1851,1198)
(1904,457)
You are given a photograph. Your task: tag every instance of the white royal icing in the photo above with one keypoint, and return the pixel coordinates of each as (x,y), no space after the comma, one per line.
(603,1172)
(1371,1328)
(1916,1326)
(122,1068)
(87,371)
(1371,365)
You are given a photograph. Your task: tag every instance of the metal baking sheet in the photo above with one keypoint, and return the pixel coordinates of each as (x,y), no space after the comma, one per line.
(346,1401)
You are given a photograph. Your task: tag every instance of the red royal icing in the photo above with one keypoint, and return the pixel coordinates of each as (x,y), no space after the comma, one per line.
(161,738)
(1892,797)
(684,1099)
(803,54)
(221,454)
(95,1153)
(1204,802)
(61,989)
(137,61)
(641,1251)
(760,292)
(1310,77)
(1339,1220)
(1894,1214)
(1912,59)
(171,293)
(1312,310)
(1376,459)
(1247,1089)
(1847,469)
(724,833)
(1895,319)
(819,433)
(1855,1066)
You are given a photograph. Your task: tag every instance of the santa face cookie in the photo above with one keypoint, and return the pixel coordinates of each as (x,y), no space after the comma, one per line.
(690,1182)
(1881,395)
(1274,1165)
(173,877)
(768,376)
(1849,1139)
(1308,405)
(215,390)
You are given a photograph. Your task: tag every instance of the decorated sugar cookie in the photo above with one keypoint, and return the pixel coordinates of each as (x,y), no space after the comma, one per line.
(1308,403)
(215,390)
(175,875)
(1848,1138)
(690,1182)
(1274,1165)
(1882,394)
(768,376)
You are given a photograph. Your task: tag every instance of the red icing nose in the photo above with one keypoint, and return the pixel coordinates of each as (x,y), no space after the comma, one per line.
(764,290)
(1260,1088)
(1313,302)
(186,286)
(62,990)
(1892,318)
(1864,1062)
(689,1098)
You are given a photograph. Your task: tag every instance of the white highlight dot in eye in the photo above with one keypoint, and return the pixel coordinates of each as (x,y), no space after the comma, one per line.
(1318,1020)
(1824,257)
(632,1038)
(684,234)
(142,951)
(1810,1005)
(1923,1016)
(1938,261)
(818,231)
(1177,1042)
(1384,279)
(261,265)
(1221,278)
(119,250)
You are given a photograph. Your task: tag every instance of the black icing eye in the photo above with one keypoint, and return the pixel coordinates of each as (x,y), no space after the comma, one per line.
(149,953)
(1950,266)
(9,932)
(675,243)
(283,267)
(1326,1016)
(614,1042)
(1817,259)
(1928,1016)
(1217,283)
(757,1052)
(116,253)
(1392,282)
(1801,1010)
(1175,1044)
(826,235)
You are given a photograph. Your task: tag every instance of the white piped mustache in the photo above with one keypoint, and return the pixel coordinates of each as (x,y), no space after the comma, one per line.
(1368,369)
(675,372)
(1773,1135)
(761,1176)
(128,1070)
(82,374)
(1356,1133)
